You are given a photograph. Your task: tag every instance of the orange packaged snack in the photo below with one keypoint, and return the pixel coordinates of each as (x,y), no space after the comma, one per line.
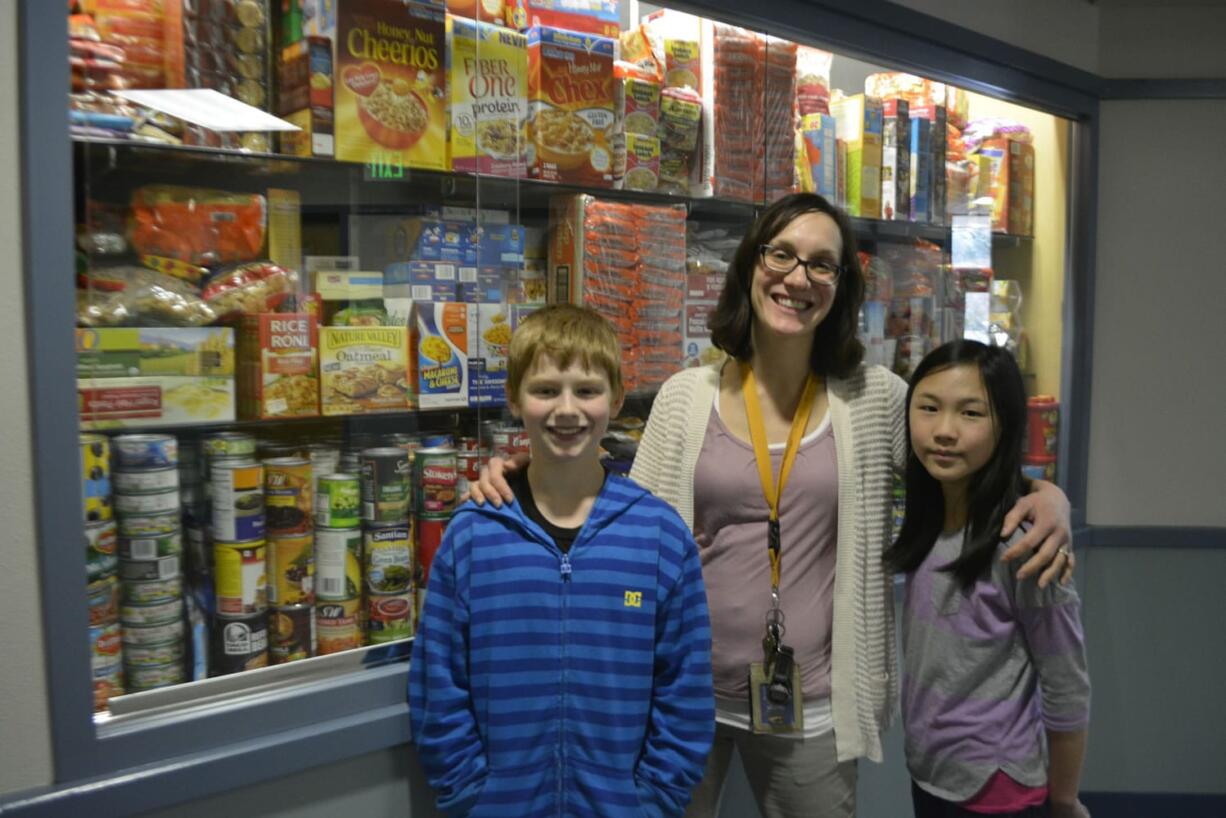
(197,225)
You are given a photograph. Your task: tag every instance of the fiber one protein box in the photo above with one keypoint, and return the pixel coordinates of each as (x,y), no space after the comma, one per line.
(488,84)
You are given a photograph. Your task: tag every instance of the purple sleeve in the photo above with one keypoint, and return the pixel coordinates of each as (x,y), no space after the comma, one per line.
(1051,621)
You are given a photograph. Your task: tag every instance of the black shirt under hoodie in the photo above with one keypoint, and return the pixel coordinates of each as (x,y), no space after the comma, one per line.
(564,537)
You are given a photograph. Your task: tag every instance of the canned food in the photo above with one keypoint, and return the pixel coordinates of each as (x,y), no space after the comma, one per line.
(192,495)
(151,548)
(325,459)
(100,566)
(351,461)
(468,469)
(95,477)
(103,598)
(108,683)
(100,561)
(159,503)
(158,613)
(106,644)
(337,501)
(238,501)
(467,444)
(337,625)
(240,644)
(149,677)
(389,559)
(162,568)
(429,537)
(249,12)
(287,496)
(153,591)
(291,569)
(275,450)
(145,451)
(149,525)
(199,550)
(385,485)
(437,440)
(239,578)
(436,482)
(229,444)
(291,634)
(408,441)
(159,654)
(338,563)
(153,634)
(391,617)
(151,481)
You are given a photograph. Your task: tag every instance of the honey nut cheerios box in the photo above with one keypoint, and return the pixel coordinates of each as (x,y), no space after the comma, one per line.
(391,84)
(488,85)
(278,366)
(572,117)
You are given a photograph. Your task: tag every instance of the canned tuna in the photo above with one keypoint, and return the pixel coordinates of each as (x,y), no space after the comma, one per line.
(162,568)
(240,644)
(385,485)
(149,655)
(229,444)
(149,525)
(389,559)
(157,613)
(153,591)
(238,501)
(338,626)
(151,548)
(135,452)
(143,504)
(291,634)
(152,481)
(95,477)
(337,501)
(239,578)
(391,617)
(338,563)
(287,496)
(153,634)
(150,677)
(291,569)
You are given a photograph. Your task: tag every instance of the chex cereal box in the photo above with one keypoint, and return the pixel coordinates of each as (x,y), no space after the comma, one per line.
(590,16)
(278,366)
(571,107)
(391,84)
(488,86)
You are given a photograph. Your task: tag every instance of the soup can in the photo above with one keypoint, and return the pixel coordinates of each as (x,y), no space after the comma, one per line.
(385,485)
(135,452)
(106,644)
(162,653)
(148,481)
(149,525)
(468,469)
(151,592)
(435,484)
(103,598)
(291,633)
(239,577)
(100,550)
(389,559)
(338,626)
(390,616)
(156,613)
(150,677)
(162,568)
(291,570)
(409,441)
(151,547)
(162,502)
(229,445)
(108,683)
(276,450)
(429,537)
(338,563)
(153,634)
(338,501)
(238,501)
(95,477)
(287,496)
(325,459)
(239,643)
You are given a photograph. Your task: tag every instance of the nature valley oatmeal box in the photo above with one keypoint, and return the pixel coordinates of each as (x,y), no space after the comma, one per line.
(363,370)
(571,107)
(487,82)
(391,84)
(278,366)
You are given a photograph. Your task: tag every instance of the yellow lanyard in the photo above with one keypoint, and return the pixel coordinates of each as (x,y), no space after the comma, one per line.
(761,452)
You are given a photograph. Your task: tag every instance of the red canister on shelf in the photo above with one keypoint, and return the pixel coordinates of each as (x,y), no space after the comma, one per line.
(1044,426)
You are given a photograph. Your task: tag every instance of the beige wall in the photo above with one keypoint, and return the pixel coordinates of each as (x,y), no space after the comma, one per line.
(25,750)
(1167,39)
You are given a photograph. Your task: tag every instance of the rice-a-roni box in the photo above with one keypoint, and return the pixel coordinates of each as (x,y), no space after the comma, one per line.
(488,86)
(391,84)
(364,370)
(278,366)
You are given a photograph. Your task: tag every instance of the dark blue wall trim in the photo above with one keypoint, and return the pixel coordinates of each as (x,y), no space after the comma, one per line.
(1164,89)
(1109,536)
(1153,805)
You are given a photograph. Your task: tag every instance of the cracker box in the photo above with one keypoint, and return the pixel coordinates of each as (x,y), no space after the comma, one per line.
(488,87)
(391,84)
(859,123)
(571,107)
(895,160)
(364,370)
(601,17)
(440,347)
(278,366)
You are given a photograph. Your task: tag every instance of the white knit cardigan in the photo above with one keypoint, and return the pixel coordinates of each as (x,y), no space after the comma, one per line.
(867,414)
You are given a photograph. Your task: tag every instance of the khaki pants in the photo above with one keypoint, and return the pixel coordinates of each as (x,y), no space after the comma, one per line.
(790,778)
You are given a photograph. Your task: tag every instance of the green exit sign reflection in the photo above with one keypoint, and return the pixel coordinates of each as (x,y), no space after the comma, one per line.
(384,167)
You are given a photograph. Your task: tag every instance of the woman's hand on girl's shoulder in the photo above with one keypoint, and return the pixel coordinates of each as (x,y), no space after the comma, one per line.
(493,486)
(1048,511)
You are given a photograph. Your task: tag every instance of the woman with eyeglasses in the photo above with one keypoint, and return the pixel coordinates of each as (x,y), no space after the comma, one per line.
(782,459)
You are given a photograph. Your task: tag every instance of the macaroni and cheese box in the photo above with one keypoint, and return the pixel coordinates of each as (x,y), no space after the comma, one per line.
(439,361)
(364,370)
(391,84)
(600,17)
(571,107)
(278,366)
(858,123)
(487,82)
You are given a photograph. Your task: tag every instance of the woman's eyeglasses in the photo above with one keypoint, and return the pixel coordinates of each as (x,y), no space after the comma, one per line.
(819,271)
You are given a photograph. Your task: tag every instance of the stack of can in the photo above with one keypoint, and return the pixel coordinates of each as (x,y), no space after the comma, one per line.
(147,505)
(387,543)
(338,561)
(237,523)
(435,492)
(101,566)
(288,492)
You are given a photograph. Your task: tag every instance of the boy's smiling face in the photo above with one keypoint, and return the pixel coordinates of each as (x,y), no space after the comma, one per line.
(565,411)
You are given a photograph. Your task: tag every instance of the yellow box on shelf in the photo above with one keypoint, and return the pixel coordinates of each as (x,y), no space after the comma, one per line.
(364,370)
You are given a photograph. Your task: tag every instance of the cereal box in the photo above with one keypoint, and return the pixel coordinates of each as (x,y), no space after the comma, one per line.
(571,107)
(935,119)
(895,160)
(858,124)
(820,163)
(489,11)
(600,17)
(278,367)
(363,370)
(440,355)
(488,84)
(391,84)
(305,97)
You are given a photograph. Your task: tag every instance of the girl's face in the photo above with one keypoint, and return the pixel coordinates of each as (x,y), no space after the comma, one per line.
(953,431)
(789,304)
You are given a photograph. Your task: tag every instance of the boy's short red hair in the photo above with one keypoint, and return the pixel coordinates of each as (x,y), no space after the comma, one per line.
(565,333)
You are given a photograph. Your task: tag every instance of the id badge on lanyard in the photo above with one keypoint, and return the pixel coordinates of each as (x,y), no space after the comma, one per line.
(775,699)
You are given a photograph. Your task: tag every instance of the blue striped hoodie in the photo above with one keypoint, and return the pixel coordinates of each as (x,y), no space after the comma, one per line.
(552,684)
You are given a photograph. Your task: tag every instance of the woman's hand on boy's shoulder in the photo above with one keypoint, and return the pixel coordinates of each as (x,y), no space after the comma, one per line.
(493,486)
(1050,536)
(1071,809)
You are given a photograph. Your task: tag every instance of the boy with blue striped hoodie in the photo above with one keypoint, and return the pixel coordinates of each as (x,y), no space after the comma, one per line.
(562,663)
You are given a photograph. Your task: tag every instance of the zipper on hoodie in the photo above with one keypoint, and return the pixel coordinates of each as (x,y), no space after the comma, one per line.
(564,569)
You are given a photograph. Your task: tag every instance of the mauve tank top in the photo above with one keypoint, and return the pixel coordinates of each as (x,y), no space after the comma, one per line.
(730,520)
